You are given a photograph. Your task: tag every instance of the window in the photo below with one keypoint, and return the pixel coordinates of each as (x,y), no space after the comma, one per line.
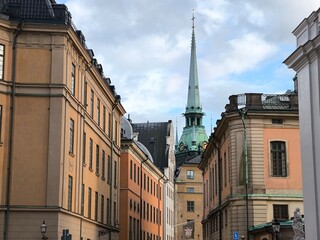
(190,189)
(70,193)
(225,169)
(131,169)
(98,111)
(96,206)
(89,202)
(73,78)
(278,159)
(115,174)
(1,61)
(84,148)
(102,208)
(103,165)
(190,174)
(280,212)
(190,206)
(91,103)
(104,119)
(109,124)
(114,212)
(135,173)
(85,103)
(138,178)
(90,153)
(109,169)
(71,136)
(97,159)
(277,121)
(108,210)
(82,199)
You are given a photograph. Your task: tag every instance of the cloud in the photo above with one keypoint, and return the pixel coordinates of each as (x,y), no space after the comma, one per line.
(144,48)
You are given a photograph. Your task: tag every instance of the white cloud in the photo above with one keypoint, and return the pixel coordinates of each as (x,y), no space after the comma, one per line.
(144,48)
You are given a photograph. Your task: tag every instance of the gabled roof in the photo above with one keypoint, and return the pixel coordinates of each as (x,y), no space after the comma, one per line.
(154,135)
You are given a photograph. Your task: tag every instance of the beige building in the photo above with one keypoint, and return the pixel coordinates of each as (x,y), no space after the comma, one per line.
(252,168)
(60,129)
(189,198)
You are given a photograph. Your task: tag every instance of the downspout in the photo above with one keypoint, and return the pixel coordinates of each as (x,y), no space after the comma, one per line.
(219,186)
(115,104)
(11,132)
(243,113)
(140,232)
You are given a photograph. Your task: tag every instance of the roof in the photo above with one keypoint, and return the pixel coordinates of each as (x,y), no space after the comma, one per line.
(196,159)
(153,135)
(262,226)
(35,10)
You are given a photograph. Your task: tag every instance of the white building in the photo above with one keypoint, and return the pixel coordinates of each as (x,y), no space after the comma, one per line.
(305,60)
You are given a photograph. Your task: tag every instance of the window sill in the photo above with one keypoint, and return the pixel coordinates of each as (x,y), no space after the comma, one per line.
(71,154)
(91,169)
(103,178)
(97,174)
(84,164)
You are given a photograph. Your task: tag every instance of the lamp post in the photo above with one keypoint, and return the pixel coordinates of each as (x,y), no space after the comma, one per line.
(276,228)
(43,230)
(243,113)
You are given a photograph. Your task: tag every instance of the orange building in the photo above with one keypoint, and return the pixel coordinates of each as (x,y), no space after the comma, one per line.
(141,190)
(60,128)
(252,168)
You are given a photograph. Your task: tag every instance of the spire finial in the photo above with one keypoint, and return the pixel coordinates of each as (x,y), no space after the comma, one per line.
(193,18)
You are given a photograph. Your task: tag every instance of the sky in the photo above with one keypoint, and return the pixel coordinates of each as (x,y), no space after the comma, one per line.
(144,48)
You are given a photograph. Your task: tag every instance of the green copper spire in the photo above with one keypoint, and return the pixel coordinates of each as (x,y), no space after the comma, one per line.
(193,104)
(194,137)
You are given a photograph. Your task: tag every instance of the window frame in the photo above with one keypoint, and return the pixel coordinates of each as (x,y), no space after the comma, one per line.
(190,206)
(73,79)
(2,56)
(278,171)
(71,143)
(190,174)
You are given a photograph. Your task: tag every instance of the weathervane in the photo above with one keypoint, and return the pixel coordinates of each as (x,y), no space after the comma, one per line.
(192,18)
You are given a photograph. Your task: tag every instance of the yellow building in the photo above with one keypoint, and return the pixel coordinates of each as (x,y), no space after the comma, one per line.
(189,198)
(60,129)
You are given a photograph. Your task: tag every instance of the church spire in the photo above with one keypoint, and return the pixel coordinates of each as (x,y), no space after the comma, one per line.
(194,138)
(193,104)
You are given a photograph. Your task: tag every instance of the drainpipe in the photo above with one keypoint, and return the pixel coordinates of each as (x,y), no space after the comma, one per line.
(12,115)
(115,104)
(141,196)
(219,185)
(243,113)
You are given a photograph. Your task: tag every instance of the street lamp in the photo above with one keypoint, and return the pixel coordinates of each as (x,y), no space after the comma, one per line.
(43,230)
(276,228)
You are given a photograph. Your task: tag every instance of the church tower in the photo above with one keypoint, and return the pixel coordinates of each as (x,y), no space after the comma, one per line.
(194,138)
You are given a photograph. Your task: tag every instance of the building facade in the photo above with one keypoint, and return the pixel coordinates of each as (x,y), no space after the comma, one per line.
(189,198)
(158,137)
(60,128)
(305,61)
(142,190)
(252,168)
